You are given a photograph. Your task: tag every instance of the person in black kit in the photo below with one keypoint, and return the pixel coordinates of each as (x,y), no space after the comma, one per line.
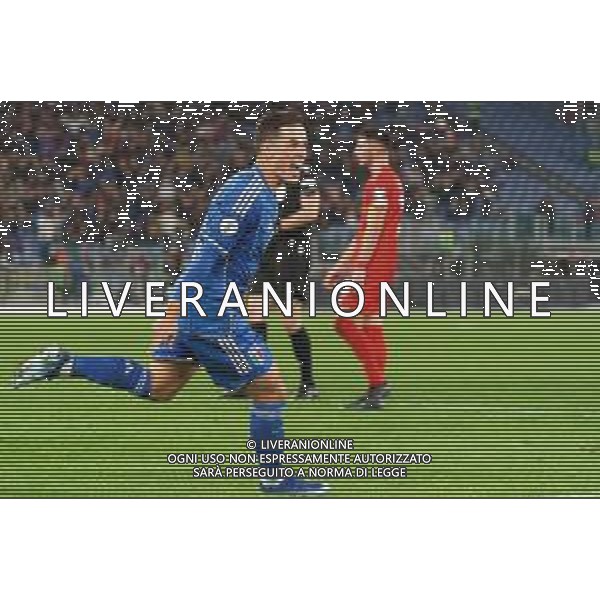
(287,258)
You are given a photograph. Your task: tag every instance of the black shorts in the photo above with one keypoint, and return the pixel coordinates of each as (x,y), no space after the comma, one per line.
(286,259)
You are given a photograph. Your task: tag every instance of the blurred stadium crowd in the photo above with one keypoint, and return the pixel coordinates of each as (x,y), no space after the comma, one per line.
(114,191)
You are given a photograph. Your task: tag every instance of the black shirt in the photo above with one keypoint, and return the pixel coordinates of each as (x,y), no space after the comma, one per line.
(290,205)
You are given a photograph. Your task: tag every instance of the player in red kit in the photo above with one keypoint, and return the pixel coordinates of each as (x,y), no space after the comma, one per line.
(372,257)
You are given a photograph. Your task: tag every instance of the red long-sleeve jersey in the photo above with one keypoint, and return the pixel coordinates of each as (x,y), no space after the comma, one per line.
(385,191)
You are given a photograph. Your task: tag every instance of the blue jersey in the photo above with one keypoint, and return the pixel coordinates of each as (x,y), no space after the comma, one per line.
(239,224)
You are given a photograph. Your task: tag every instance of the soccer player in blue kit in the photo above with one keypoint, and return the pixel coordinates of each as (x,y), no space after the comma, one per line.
(239,224)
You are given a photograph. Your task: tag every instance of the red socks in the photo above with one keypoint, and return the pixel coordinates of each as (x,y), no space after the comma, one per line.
(368,344)
(378,353)
(355,337)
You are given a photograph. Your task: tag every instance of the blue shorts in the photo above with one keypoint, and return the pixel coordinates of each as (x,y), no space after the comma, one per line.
(232,354)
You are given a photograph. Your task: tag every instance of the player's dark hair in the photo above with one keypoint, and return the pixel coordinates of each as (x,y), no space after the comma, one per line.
(273,120)
(374,134)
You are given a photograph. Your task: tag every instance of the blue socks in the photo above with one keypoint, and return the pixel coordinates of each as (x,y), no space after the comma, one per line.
(266,428)
(117,373)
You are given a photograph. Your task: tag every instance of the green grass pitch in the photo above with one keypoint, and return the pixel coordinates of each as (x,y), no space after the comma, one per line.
(507,408)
